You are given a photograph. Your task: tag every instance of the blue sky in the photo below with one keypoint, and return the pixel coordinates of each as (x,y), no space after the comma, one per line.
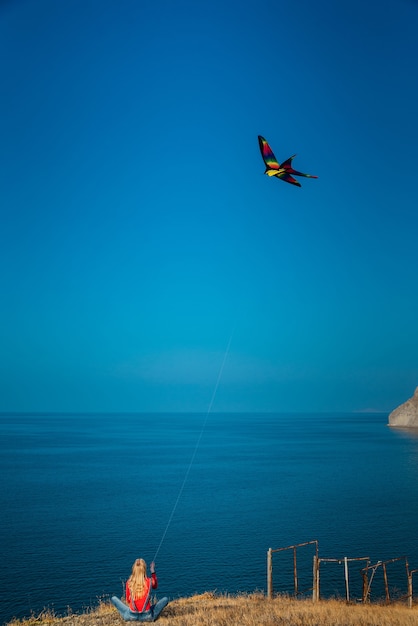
(139,234)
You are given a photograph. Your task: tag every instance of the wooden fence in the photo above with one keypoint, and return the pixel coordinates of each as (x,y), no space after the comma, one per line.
(365,571)
(384,565)
(346,560)
(295,569)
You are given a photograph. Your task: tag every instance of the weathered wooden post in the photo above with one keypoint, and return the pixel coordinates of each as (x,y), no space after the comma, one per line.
(295,571)
(365,586)
(385,578)
(269,574)
(315,583)
(347,586)
(410,590)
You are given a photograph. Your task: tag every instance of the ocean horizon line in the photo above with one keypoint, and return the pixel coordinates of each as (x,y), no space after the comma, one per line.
(180,412)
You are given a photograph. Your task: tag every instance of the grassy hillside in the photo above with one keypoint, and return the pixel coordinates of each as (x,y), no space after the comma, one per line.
(246,610)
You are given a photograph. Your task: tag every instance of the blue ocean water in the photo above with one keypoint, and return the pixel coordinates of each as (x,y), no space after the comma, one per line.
(82,496)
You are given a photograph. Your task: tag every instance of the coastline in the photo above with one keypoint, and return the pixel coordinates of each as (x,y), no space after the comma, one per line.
(210,609)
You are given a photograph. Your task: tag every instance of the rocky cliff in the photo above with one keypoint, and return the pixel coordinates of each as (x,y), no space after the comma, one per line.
(406,414)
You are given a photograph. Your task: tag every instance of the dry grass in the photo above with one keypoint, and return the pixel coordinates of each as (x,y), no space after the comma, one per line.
(210,609)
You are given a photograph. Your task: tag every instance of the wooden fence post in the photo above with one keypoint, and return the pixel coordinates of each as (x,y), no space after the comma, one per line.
(315,583)
(269,574)
(385,578)
(365,594)
(347,586)
(410,590)
(295,572)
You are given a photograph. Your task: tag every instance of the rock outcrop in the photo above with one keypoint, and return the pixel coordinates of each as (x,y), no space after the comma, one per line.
(406,415)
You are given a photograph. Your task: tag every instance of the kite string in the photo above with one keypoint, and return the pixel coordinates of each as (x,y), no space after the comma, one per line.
(196,447)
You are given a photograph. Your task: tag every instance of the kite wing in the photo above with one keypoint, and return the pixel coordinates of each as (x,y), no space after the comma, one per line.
(268,154)
(287,166)
(289,179)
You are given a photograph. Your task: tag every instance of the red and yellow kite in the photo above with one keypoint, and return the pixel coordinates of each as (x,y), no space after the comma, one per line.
(280,170)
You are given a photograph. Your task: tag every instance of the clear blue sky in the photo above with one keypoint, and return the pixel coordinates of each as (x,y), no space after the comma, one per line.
(138,230)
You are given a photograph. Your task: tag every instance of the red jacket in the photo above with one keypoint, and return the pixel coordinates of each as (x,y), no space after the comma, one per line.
(139,603)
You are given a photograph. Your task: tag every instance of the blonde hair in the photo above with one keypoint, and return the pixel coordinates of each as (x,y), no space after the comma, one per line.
(137,579)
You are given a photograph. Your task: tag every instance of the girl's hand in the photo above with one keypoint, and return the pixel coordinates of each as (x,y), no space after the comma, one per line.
(152,567)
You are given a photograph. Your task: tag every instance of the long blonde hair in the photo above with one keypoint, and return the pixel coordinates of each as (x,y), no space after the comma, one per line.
(137,579)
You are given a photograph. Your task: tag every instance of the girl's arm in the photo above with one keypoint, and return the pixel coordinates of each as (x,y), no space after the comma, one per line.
(154,581)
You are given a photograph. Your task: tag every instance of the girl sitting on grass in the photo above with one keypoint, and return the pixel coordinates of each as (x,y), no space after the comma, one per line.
(138,594)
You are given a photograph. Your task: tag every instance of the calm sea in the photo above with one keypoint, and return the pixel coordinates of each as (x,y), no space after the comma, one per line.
(82,496)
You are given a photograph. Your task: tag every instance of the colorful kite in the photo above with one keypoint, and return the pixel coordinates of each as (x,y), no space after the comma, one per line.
(280,170)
